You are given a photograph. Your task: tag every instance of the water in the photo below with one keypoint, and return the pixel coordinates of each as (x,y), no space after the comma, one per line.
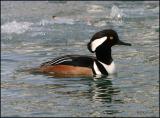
(30,36)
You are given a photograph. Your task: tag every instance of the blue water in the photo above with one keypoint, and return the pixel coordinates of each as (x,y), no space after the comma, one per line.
(31,36)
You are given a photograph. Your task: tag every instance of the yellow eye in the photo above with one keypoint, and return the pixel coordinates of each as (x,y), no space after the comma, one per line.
(111,37)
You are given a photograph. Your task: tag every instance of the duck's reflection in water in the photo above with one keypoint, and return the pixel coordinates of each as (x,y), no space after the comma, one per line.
(97,93)
(104,94)
(102,89)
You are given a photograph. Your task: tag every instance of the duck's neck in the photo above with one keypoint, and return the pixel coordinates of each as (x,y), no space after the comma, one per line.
(104,55)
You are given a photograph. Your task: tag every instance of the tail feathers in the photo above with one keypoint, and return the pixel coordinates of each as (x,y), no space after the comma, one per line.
(34,70)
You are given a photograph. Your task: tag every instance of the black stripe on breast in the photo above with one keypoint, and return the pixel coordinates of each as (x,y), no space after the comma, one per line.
(101,68)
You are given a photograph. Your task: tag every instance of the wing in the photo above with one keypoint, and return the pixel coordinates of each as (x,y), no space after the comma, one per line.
(74,60)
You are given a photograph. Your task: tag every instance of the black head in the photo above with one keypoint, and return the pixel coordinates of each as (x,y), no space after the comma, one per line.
(106,38)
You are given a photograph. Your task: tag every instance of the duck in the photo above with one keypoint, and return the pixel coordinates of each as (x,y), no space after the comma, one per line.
(84,65)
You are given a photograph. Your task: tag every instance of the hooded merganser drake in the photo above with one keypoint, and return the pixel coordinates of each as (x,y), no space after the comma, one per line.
(81,65)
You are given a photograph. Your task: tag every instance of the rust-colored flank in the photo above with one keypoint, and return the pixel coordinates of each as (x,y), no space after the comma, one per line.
(66,70)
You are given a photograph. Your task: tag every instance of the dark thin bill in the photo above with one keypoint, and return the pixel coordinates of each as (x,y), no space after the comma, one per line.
(123,43)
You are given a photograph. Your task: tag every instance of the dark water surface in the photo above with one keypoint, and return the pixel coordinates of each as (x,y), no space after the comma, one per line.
(30,36)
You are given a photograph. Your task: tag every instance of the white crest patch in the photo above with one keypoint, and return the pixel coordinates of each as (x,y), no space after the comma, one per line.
(96,69)
(111,69)
(97,42)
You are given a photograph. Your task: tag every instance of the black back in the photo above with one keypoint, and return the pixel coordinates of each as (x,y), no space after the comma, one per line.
(73,60)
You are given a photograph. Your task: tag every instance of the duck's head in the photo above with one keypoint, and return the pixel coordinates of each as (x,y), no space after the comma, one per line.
(105,39)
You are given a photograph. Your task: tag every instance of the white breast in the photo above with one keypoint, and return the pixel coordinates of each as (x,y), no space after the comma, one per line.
(111,69)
